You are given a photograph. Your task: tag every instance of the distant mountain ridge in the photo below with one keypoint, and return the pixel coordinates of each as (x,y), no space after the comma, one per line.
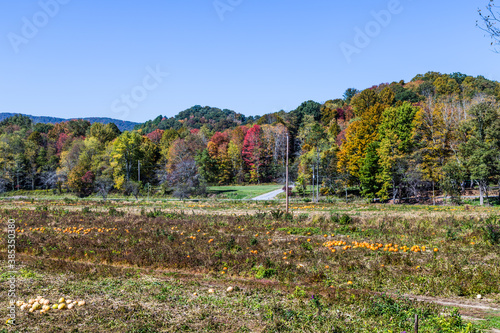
(121,124)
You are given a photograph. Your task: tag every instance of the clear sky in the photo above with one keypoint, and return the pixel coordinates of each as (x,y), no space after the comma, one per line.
(75,58)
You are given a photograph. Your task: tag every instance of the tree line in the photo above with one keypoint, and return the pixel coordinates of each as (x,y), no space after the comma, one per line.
(437,134)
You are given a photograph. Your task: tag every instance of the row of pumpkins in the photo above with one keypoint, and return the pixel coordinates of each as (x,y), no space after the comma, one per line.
(43,305)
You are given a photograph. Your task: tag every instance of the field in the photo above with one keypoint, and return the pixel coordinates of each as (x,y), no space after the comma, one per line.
(235,192)
(167,267)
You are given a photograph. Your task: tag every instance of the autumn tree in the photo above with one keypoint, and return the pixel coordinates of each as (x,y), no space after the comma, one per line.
(235,149)
(252,152)
(363,101)
(369,172)
(395,136)
(125,156)
(104,133)
(313,139)
(186,180)
(329,111)
(359,135)
(446,86)
(481,152)
(274,150)
(436,137)
(168,136)
(7,161)
(217,149)
(349,94)
(81,180)
(103,186)
(155,136)
(69,160)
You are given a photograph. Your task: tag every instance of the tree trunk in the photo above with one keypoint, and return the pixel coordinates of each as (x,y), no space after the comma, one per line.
(394,192)
(487,195)
(433,194)
(481,194)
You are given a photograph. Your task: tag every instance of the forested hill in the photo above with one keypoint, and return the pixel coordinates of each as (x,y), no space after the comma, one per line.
(459,85)
(121,124)
(195,117)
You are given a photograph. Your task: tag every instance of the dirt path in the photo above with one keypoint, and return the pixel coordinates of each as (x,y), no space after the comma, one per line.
(470,309)
(464,303)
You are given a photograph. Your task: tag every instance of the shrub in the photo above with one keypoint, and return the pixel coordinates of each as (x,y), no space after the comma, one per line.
(307,246)
(154,213)
(491,234)
(277,214)
(299,292)
(344,219)
(113,212)
(303,216)
(264,273)
(318,218)
(260,215)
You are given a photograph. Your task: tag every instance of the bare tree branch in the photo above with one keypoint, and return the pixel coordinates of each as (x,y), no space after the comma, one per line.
(488,22)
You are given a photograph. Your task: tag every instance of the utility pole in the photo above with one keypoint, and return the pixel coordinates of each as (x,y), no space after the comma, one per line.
(312,183)
(286,185)
(317,174)
(138,171)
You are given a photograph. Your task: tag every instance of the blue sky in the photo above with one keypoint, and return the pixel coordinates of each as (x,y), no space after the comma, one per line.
(251,56)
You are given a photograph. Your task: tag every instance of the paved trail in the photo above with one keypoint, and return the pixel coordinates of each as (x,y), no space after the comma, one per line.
(268,196)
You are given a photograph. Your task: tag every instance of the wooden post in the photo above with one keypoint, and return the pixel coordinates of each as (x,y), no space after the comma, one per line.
(416,323)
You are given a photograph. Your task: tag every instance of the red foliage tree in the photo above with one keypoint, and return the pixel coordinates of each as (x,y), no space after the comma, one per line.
(252,151)
(218,142)
(88,177)
(61,141)
(155,136)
